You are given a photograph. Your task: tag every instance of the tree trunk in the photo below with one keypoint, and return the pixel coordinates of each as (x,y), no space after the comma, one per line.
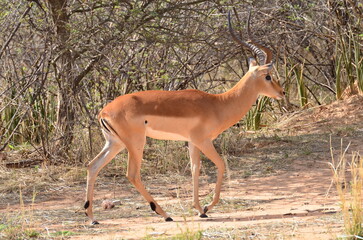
(63,69)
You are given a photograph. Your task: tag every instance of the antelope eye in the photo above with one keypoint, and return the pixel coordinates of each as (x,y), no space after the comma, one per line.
(268,78)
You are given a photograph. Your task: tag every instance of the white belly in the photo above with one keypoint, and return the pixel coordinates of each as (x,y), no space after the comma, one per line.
(165,135)
(170,128)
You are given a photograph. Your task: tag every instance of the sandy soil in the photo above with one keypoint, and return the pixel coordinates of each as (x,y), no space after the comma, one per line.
(288,195)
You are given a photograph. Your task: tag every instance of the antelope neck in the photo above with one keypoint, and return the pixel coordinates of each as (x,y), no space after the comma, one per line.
(237,101)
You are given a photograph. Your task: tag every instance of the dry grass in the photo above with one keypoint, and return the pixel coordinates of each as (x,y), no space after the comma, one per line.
(348,179)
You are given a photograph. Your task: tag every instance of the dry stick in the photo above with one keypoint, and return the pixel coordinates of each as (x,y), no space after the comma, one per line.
(15,30)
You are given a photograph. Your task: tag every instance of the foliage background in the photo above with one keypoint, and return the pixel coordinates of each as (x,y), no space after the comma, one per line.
(62,60)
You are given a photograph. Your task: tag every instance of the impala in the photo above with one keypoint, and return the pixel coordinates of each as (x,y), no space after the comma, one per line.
(187,115)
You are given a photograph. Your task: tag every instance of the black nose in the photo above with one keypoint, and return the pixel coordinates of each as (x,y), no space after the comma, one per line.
(284,93)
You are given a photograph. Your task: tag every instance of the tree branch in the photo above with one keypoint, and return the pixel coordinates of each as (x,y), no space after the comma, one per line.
(15,30)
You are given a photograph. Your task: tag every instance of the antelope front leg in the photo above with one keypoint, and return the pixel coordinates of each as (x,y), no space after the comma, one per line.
(210,152)
(102,159)
(194,154)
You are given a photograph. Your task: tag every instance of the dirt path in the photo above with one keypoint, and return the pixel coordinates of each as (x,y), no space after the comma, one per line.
(288,206)
(295,204)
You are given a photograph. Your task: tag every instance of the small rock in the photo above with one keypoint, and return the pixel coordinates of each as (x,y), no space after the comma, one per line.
(107,204)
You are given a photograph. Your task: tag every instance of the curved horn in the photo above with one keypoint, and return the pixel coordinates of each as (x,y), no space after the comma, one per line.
(268,52)
(264,55)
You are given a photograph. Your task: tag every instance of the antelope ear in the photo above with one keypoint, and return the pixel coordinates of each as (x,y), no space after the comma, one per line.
(266,69)
(252,62)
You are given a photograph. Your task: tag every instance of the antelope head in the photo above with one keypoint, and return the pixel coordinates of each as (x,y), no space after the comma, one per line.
(261,71)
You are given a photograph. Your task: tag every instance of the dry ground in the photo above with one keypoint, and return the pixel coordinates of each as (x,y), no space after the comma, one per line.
(278,187)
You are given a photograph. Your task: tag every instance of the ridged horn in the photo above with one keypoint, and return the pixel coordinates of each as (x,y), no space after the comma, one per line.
(264,54)
(267,51)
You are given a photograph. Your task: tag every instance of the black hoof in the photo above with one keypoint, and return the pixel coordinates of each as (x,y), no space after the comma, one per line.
(95,223)
(168,219)
(203,215)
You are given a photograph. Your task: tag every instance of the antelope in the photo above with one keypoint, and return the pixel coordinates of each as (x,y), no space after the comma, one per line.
(186,115)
